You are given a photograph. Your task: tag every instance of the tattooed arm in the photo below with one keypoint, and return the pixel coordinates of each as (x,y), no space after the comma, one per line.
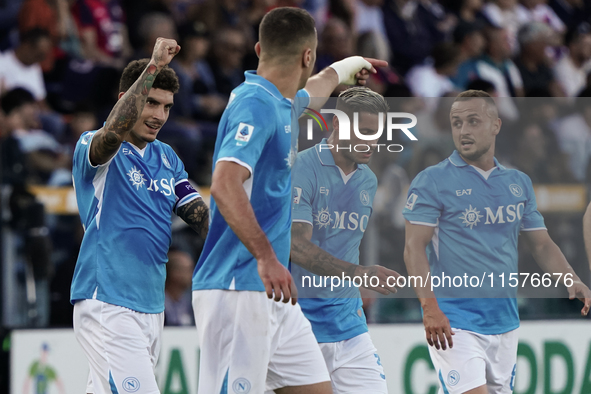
(196,214)
(318,261)
(126,112)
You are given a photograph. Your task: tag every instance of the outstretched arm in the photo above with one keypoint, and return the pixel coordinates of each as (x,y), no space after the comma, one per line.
(350,71)
(437,327)
(318,261)
(551,260)
(126,112)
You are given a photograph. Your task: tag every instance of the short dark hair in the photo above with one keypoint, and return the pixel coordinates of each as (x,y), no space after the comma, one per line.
(475,94)
(285,30)
(445,54)
(165,80)
(361,99)
(574,33)
(32,36)
(15,99)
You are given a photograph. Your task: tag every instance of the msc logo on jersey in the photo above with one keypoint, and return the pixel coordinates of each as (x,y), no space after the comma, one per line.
(341,221)
(453,377)
(136,177)
(297,194)
(241,386)
(471,217)
(165,161)
(243,133)
(364,197)
(322,218)
(131,385)
(503,214)
(516,190)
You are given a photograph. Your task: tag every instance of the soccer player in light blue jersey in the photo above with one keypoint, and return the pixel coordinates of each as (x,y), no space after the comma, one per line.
(333,192)
(463,218)
(248,342)
(127,186)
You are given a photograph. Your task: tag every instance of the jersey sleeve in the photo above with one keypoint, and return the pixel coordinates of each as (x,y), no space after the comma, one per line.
(183,190)
(301,101)
(532,219)
(304,186)
(246,132)
(423,205)
(82,167)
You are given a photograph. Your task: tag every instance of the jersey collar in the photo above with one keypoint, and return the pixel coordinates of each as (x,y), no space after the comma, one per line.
(457,161)
(251,78)
(325,155)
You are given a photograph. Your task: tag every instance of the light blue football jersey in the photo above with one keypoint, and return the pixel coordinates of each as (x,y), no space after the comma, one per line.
(125,206)
(255,132)
(477,222)
(338,207)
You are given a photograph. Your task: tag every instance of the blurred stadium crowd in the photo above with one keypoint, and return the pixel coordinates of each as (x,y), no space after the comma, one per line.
(60,63)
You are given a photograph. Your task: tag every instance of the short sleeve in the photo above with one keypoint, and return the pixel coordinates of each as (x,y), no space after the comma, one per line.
(301,101)
(423,205)
(82,167)
(245,133)
(532,219)
(303,181)
(183,190)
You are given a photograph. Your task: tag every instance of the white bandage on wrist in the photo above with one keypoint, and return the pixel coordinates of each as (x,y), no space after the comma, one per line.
(347,68)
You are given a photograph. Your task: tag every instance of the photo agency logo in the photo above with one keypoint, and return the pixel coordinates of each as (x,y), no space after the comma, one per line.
(345,129)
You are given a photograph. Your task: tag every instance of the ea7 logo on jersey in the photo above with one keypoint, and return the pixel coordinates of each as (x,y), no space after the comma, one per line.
(243,133)
(463,192)
(410,203)
(297,194)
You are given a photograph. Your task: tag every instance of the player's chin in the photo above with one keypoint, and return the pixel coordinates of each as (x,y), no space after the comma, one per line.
(364,158)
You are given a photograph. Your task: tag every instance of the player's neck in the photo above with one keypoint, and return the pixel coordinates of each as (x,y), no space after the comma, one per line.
(138,143)
(285,81)
(484,163)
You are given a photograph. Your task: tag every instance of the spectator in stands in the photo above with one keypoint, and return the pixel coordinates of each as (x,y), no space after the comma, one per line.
(467,11)
(496,65)
(412,29)
(47,15)
(197,96)
(177,291)
(535,154)
(152,26)
(540,11)
(336,43)
(13,161)
(229,48)
(505,14)
(46,160)
(572,12)
(571,71)
(573,133)
(433,80)
(103,32)
(470,40)
(20,67)
(533,62)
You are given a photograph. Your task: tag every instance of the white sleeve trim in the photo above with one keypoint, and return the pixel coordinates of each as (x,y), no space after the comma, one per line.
(302,221)
(237,161)
(534,229)
(423,223)
(88,153)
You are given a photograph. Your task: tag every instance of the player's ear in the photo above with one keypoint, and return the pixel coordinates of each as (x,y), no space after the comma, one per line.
(120,95)
(257,49)
(307,58)
(335,124)
(497,126)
